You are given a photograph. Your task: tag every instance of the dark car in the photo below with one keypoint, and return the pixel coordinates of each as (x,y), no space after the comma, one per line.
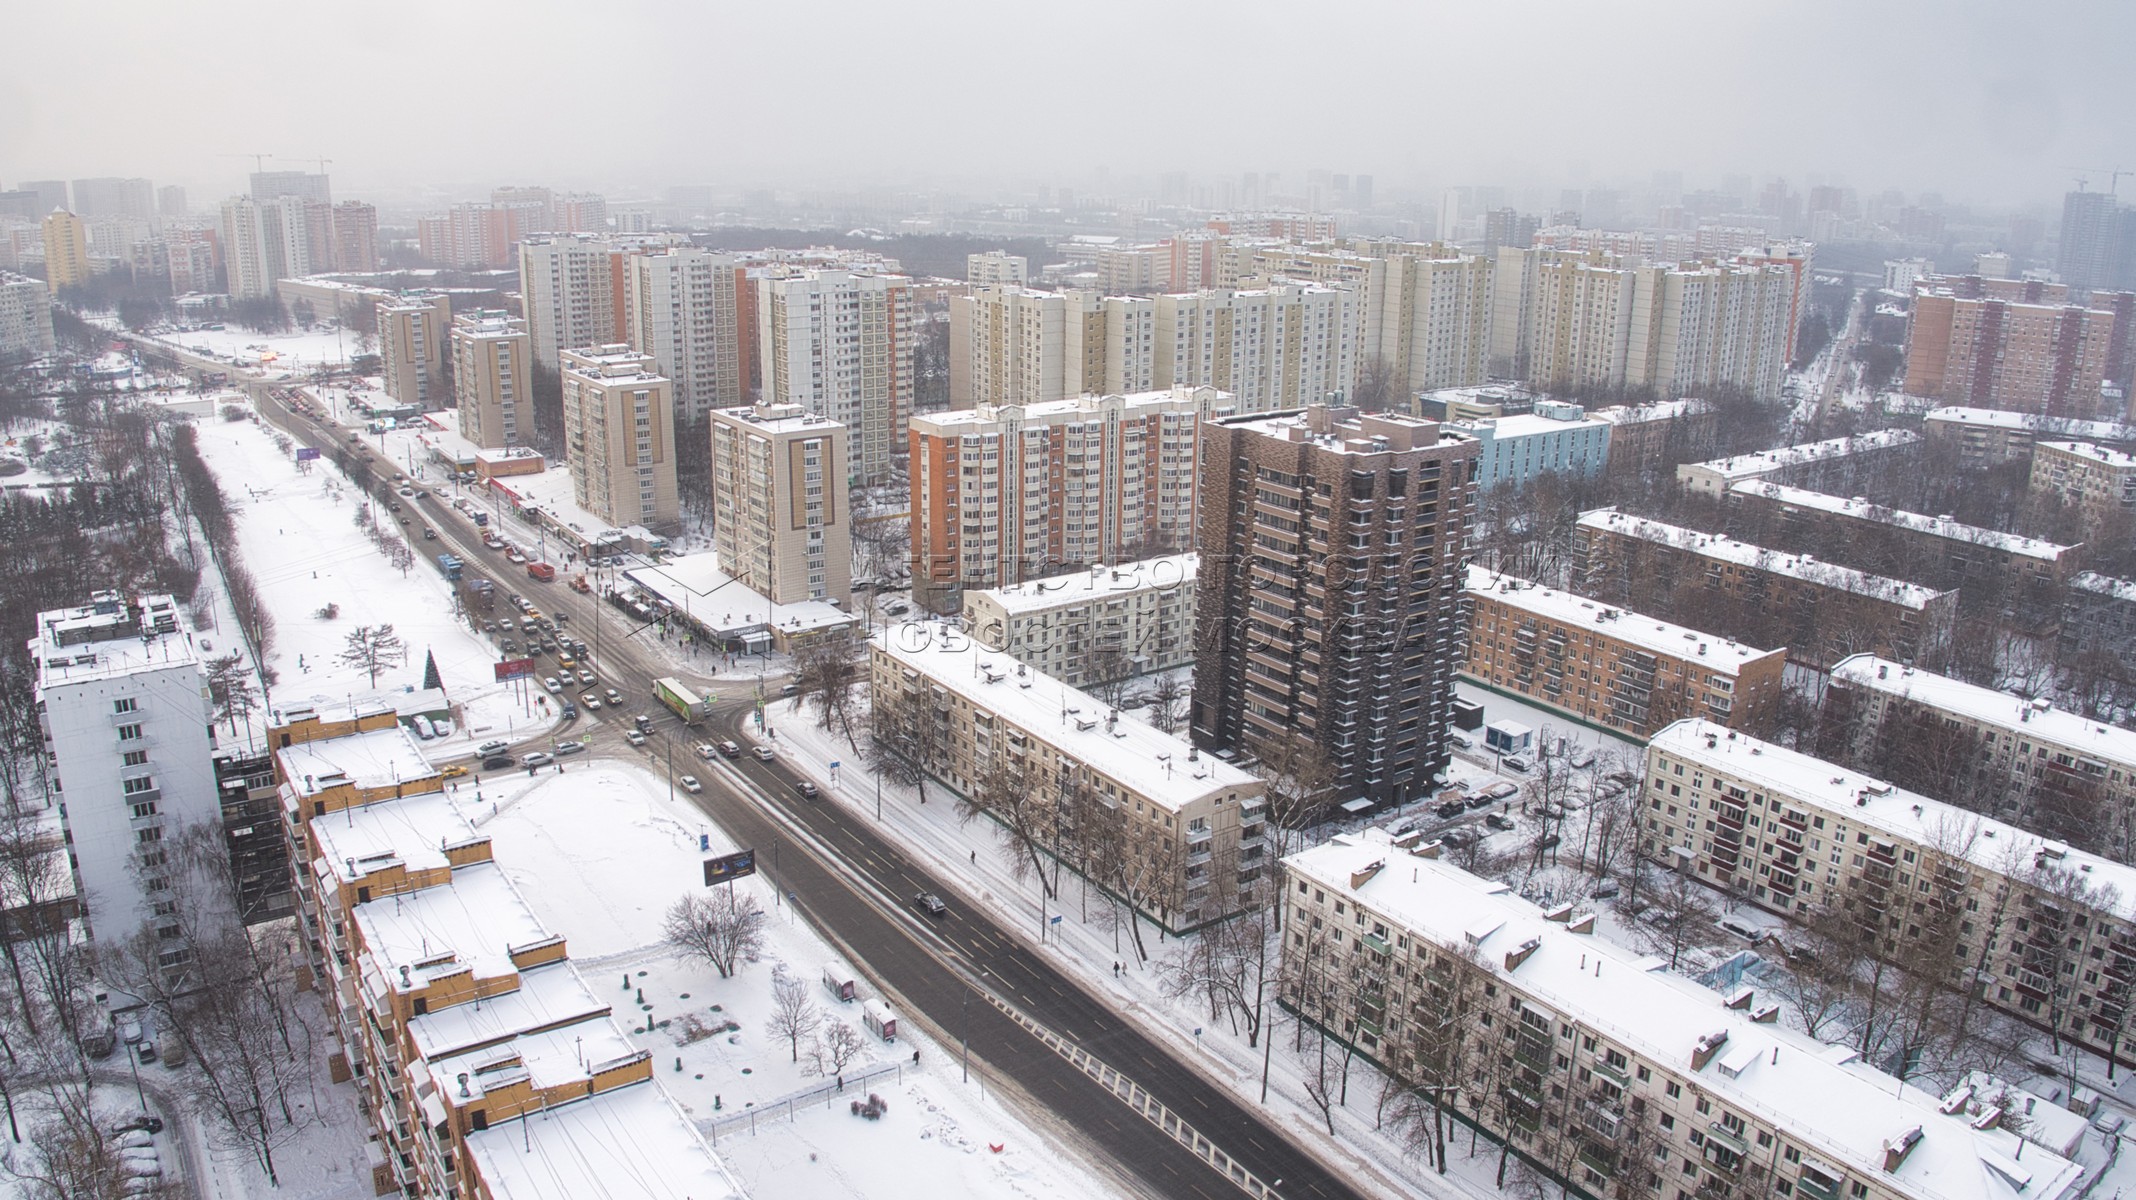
(807,789)
(931,904)
(498,762)
(1499,821)
(1479,800)
(1452,808)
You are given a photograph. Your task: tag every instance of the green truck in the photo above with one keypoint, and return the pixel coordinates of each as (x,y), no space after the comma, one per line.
(688,705)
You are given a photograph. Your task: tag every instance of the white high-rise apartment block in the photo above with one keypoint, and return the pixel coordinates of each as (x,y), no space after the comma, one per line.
(568,289)
(491,361)
(124,704)
(619,432)
(996,267)
(252,246)
(840,344)
(1424,309)
(1009,346)
(682,311)
(779,502)
(1272,348)
(25,316)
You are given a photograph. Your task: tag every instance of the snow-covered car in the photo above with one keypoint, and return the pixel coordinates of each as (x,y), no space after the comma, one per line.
(764,753)
(553,684)
(563,748)
(1501,790)
(514,557)
(689,784)
(591,701)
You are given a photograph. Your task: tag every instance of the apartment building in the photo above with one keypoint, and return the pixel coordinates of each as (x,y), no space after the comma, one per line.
(413,334)
(682,311)
(779,504)
(1646,439)
(66,250)
(2099,622)
(2098,482)
(574,292)
(1424,309)
(25,317)
(1604,666)
(123,700)
(1968,345)
(1276,348)
(1556,438)
(1821,612)
(265,241)
(2028,909)
(1329,600)
(1828,463)
(996,267)
(1614,1076)
(619,434)
(355,236)
(1990,437)
(1092,626)
(1010,346)
(492,368)
(115,197)
(303,185)
(1005,494)
(2021,760)
(190,257)
(460,1014)
(840,344)
(1999,574)
(1177,833)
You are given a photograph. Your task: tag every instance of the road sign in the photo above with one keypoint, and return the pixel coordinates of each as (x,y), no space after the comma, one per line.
(307,453)
(729,867)
(515,668)
(1053,920)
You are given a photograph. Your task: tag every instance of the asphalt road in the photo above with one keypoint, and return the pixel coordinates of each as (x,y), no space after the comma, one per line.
(857,889)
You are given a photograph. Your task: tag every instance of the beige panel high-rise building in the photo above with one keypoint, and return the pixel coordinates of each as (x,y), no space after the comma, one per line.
(66,247)
(491,360)
(682,310)
(619,433)
(779,502)
(1015,341)
(1272,348)
(412,347)
(840,344)
(1424,309)
(572,290)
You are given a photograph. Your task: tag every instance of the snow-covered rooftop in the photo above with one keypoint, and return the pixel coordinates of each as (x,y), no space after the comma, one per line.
(1840,1109)
(473,922)
(1155,764)
(547,996)
(410,830)
(1526,425)
(1751,466)
(1361,433)
(113,635)
(2034,717)
(2105,585)
(1794,566)
(1062,591)
(696,586)
(1659,410)
(2088,450)
(632,1141)
(778,418)
(548,1058)
(1865,800)
(1718,654)
(380,758)
(957,420)
(1997,418)
(1944,527)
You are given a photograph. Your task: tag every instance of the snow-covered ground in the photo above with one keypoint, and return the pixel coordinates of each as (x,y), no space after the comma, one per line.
(274,353)
(600,852)
(298,537)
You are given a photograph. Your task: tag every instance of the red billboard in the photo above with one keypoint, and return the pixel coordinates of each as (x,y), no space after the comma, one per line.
(515,668)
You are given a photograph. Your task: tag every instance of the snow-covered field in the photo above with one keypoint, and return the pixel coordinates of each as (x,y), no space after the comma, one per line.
(600,853)
(299,538)
(326,345)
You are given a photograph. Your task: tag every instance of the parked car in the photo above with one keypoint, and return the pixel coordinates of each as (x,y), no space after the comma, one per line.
(689,784)
(1480,800)
(536,759)
(1514,762)
(1451,809)
(1741,929)
(1462,740)
(1606,890)
(563,748)
(1499,821)
(1502,790)
(764,753)
(1460,837)
(931,904)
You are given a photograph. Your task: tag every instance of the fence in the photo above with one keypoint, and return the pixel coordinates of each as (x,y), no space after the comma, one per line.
(786,1106)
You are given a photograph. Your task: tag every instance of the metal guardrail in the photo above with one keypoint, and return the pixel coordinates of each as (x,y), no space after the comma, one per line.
(787,1106)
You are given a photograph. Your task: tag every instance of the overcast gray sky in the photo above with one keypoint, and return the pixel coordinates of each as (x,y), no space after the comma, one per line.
(1978,100)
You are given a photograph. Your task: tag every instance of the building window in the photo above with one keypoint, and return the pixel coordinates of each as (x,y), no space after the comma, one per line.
(123,706)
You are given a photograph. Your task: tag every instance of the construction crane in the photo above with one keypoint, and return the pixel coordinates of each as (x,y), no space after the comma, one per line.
(258,160)
(322,163)
(2113,177)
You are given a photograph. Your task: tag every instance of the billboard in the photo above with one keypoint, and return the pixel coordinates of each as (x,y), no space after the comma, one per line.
(307,453)
(730,867)
(515,668)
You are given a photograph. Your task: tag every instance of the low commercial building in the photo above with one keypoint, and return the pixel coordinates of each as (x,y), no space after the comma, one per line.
(727,613)
(2097,482)
(1646,438)
(459,1013)
(1809,464)
(1556,438)
(2014,912)
(1179,835)
(1623,671)
(2023,760)
(1093,626)
(1989,437)
(1612,1074)
(1822,612)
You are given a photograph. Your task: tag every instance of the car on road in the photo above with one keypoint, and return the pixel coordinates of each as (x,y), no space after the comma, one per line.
(536,759)
(897,610)
(139,1122)
(585,677)
(591,701)
(931,904)
(570,711)
(808,790)
(727,748)
(452,772)
(789,689)
(563,748)
(514,557)
(553,684)
(614,697)
(643,723)
(497,762)
(634,737)
(1451,809)
(764,753)
(1480,800)
(492,747)
(689,784)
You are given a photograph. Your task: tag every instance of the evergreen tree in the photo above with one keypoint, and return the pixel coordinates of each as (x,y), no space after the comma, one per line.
(431,680)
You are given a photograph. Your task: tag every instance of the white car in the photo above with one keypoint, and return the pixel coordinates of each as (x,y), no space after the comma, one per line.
(765,753)
(591,702)
(689,784)
(634,737)
(553,684)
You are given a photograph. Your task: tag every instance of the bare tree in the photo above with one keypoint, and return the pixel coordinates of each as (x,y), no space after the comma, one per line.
(1228,965)
(374,648)
(232,690)
(722,928)
(1166,692)
(827,677)
(72,1157)
(1022,816)
(793,1012)
(1682,915)
(903,743)
(841,1045)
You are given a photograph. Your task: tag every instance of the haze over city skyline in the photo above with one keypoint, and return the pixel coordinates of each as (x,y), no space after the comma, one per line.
(1969,100)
